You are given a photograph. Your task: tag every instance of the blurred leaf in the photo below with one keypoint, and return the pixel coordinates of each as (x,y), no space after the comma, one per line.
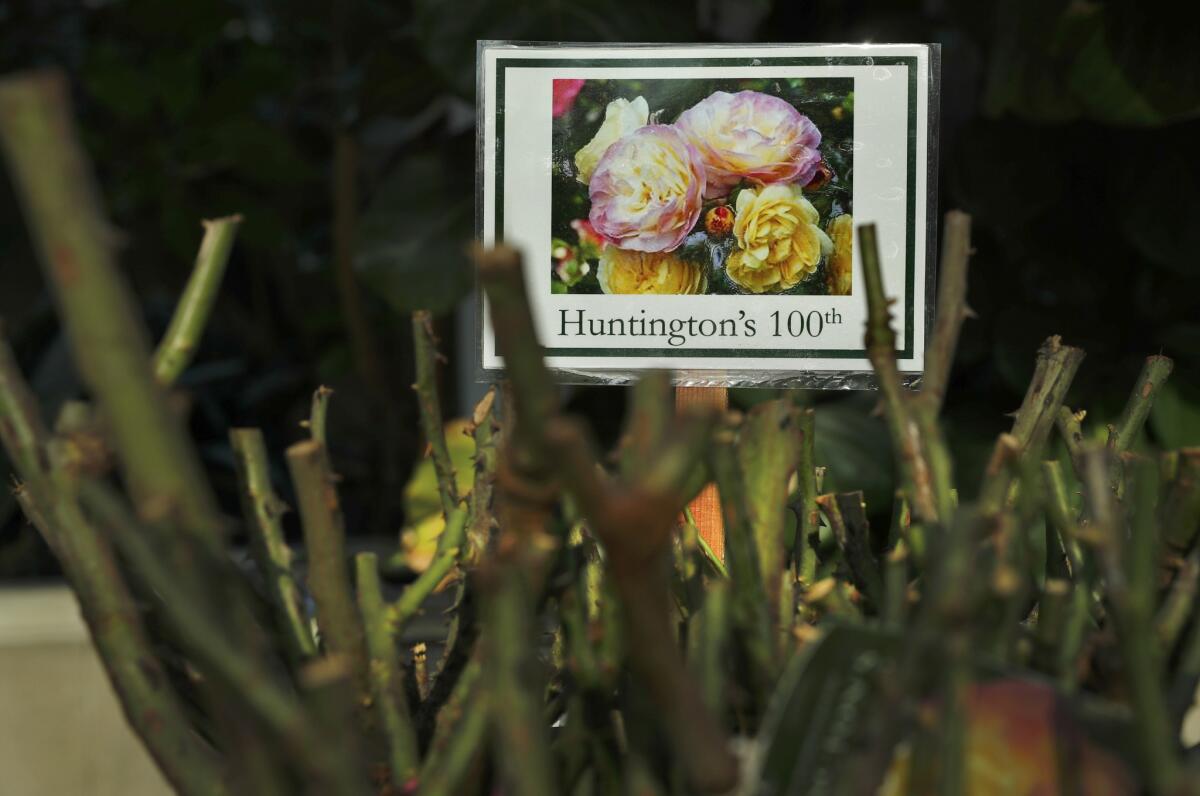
(1017,733)
(1025,77)
(118,85)
(854,445)
(1019,329)
(423,505)
(1161,226)
(1153,42)
(412,238)
(447,34)
(421,497)
(1100,86)
(419,541)
(826,692)
(1054,61)
(1175,417)
(1181,341)
(767,452)
(998,163)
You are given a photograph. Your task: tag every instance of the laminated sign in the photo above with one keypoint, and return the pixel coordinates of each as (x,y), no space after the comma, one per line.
(693,207)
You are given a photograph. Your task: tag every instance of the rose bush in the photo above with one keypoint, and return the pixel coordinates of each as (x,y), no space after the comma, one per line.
(626,272)
(753,136)
(647,190)
(778,237)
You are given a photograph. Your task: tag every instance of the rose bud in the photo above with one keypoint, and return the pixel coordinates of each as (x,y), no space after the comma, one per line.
(718,222)
(590,241)
(822,177)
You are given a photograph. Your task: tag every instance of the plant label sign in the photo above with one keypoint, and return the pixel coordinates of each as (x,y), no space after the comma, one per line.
(693,208)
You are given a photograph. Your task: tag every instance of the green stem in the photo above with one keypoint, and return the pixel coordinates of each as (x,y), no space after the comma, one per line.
(264,510)
(318,416)
(1128,561)
(21,428)
(207,640)
(387,682)
(330,694)
(749,598)
(1177,605)
(1074,632)
(880,341)
(446,773)
(713,636)
(328,568)
(786,613)
(462,700)
(767,450)
(479,504)
(716,563)
(521,741)
(1052,376)
(1053,612)
(952,307)
(998,476)
(895,585)
(634,525)
(449,550)
(102,320)
(425,345)
(464,628)
(808,525)
(1181,505)
(152,708)
(1137,408)
(1070,428)
(1189,658)
(500,272)
(109,609)
(848,521)
(182,339)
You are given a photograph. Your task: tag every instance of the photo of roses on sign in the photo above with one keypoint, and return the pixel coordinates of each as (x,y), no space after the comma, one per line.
(693,208)
(711,186)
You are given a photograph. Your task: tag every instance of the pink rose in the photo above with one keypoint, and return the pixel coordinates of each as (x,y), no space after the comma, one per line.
(565,92)
(751,135)
(647,190)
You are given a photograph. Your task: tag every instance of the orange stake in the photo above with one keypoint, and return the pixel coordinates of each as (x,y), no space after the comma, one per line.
(706,507)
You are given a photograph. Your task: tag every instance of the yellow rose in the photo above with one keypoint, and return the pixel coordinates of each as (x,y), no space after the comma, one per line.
(840,265)
(625,271)
(778,238)
(621,118)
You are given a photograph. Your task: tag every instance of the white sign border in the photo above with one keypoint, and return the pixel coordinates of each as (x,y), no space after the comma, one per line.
(799,367)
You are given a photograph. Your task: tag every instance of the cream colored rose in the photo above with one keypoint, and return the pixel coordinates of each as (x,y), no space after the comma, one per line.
(621,118)
(623,272)
(840,265)
(779,242)
(751,136)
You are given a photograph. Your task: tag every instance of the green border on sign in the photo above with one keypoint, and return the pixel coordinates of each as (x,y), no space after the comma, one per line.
(909,61)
